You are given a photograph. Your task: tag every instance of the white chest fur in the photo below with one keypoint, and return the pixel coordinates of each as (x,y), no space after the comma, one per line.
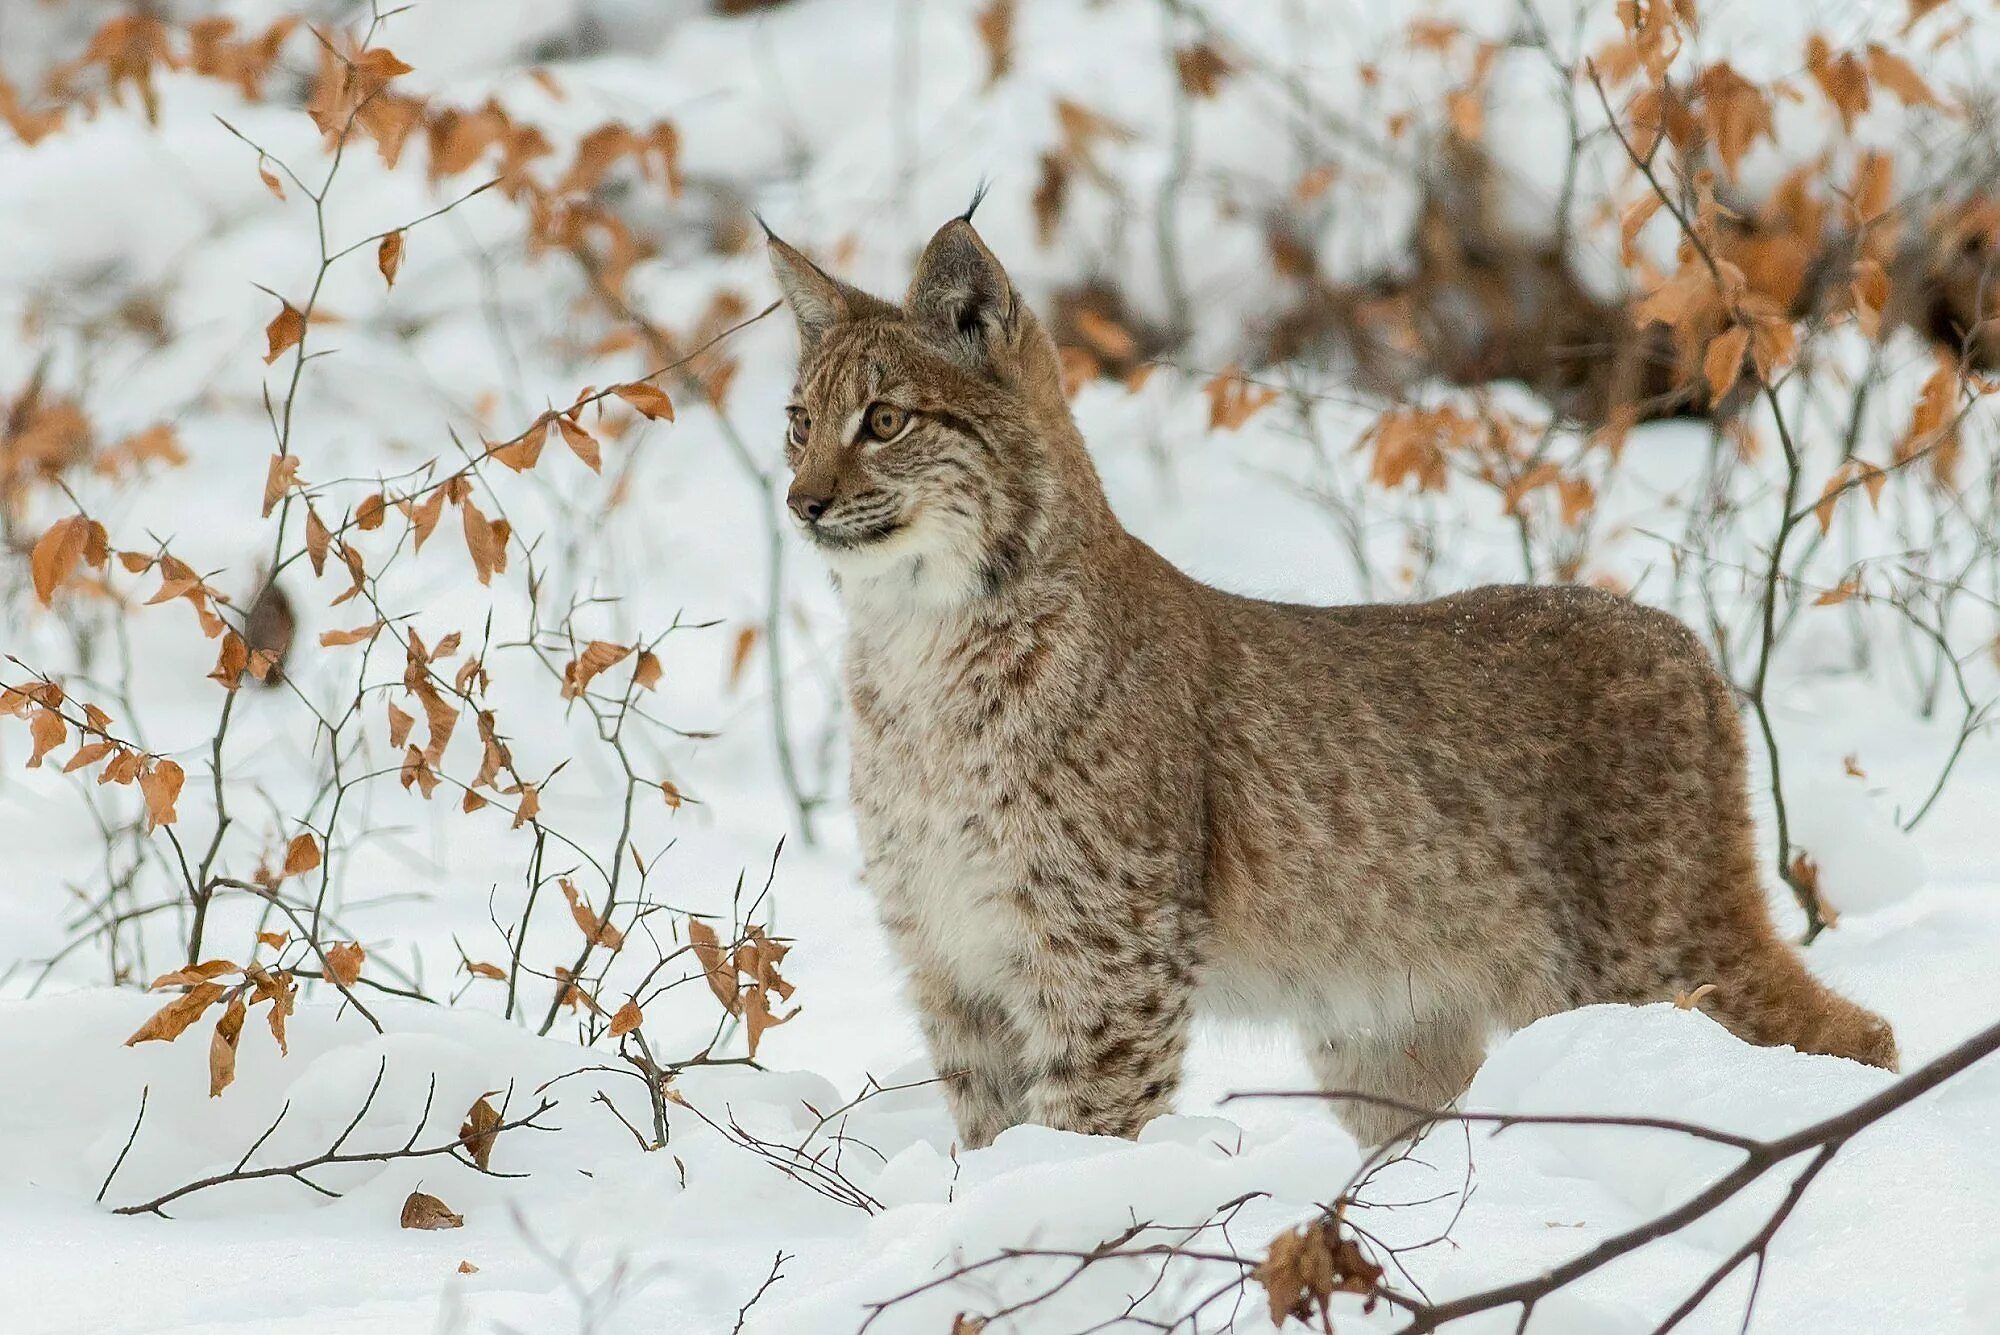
(926,784)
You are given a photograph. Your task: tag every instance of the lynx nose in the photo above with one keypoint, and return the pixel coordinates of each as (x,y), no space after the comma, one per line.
(807,503)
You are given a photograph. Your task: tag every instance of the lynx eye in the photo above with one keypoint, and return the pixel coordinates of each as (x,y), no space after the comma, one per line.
(800,426)
(886,421)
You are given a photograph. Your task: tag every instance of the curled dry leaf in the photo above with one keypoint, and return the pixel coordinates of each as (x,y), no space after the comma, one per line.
(528,806)
(333,639)
(757,1016)
(193,975)
(481,969)
(646,672)
(279,478)
(479,1130)
(282,991)
(595,658)
(1306,1266)
(595,930)
(721,977)
(581,443)
(399,725)
(423,1210)
(230,661)
(522,453)
(47,731)
(650,400)
(485,542)
(222,1045)
(88,754)
(417,773)
(389,256)
(172,1020)
(301,855)
(123,767)
(443,720)
(628,1018)
(287,327)
(56,553)
(161,785)
(424,515)
(344,961)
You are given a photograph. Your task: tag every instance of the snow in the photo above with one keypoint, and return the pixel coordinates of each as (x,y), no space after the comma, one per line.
(803,111)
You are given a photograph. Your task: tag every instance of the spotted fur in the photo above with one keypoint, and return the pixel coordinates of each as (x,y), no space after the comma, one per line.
(1093,792)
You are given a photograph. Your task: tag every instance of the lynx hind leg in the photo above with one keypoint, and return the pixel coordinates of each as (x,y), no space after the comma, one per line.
(1426,1064)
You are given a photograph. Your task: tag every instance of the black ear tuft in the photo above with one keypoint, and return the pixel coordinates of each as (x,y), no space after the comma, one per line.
(978,197)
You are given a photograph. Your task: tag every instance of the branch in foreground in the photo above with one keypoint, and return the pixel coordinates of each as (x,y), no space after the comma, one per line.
(456,1149)
(1330,1255)
(1823,1139)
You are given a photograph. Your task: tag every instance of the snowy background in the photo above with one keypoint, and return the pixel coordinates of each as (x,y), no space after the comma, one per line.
(138,255)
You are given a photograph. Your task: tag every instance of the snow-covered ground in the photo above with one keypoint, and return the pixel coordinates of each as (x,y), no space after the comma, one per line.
(856,126)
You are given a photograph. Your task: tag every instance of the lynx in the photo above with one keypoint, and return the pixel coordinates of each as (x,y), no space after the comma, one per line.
(1093,793)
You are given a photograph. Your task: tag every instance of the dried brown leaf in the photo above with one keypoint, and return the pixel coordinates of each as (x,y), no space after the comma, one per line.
(47,731)
(301,855)
(581,443)
(480,1129)
(172,1020)
(1724,361)
(222,1045)
(333,639)
(423,1210)
(648,399)
(287,327)
(389,256)
(344,960)
(628,1018)
(721,976)
(161,785)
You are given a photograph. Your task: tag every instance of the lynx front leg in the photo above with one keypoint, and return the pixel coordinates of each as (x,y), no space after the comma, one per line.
(1105,1037)
(976,1052)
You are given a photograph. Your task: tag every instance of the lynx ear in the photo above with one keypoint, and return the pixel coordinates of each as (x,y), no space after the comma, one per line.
(818,300)
(961,299)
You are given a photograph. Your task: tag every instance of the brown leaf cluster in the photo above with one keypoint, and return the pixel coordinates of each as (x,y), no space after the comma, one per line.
(1233,399)
(258,985)
(1306,1266)
(744,979)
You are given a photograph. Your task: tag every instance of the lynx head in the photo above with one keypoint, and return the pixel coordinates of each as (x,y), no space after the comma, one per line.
(926,440)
